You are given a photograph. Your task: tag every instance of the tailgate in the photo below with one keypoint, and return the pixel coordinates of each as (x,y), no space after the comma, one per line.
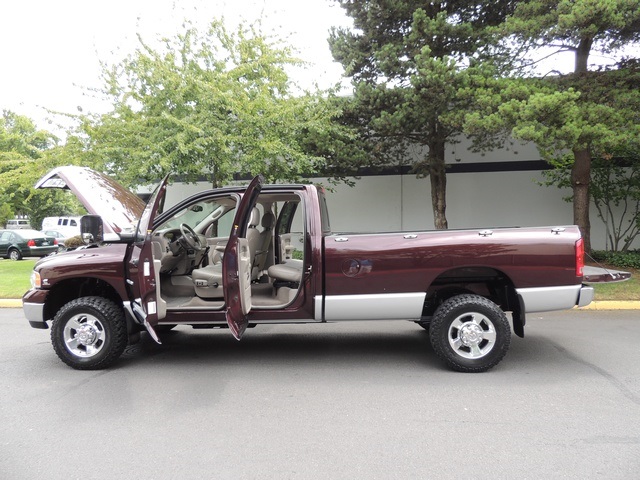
(603,275)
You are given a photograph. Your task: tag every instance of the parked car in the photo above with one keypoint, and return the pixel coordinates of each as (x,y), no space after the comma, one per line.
(67,226)
(58,236)
(15,244)
(18,224)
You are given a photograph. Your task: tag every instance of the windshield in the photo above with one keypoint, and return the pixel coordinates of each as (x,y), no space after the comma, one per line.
(204,215)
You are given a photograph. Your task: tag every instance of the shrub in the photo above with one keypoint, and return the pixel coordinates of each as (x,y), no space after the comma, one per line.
(628,259)
(73,242)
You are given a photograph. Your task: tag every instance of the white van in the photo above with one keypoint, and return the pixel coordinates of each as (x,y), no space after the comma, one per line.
(17,224)
(67,226)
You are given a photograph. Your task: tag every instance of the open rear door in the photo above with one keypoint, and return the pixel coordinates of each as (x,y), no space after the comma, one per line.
(237,263)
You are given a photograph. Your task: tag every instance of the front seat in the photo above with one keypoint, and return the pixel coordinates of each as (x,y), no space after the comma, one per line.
(208,280)
(264,244)
(254,239)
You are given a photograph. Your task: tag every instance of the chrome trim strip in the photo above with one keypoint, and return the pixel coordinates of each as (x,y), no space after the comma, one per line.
(317,304)
(34,312)
(547,299)
(384,306)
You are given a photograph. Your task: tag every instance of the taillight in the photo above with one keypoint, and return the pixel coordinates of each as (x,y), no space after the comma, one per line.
(579,258)
(55,241)
(31,243)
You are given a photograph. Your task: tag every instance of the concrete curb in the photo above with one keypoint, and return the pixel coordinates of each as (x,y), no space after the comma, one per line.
(598,305)
(10,303)
(612,305)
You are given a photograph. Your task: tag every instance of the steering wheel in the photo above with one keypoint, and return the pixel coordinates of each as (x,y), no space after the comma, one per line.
(190,237)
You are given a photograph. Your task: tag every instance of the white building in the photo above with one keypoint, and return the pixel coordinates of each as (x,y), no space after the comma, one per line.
(496,189)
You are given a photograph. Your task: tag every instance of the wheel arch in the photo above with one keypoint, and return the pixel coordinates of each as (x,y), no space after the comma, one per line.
(487,282)
(66,290)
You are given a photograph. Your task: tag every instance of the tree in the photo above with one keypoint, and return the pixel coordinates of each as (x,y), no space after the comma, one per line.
(618,185)
(581,27)
(408,61)
(24,158)
(615,191)
(219,104)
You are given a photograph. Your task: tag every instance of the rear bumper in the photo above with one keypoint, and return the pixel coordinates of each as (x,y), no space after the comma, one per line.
(547,299)
(40,251)
(586,296)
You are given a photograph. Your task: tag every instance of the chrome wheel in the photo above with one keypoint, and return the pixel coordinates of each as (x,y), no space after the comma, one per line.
(89,333)
(472,335)
(84,335)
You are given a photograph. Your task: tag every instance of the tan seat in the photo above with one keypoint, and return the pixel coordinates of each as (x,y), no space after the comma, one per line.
(254,238)
(266,236)
(286,272)
(208,280)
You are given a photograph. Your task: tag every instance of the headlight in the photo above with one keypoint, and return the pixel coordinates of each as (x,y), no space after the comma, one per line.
(36,282)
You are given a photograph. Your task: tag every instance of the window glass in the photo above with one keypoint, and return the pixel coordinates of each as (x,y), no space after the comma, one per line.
(215,216)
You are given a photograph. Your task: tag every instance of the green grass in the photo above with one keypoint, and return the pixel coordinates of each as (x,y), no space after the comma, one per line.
(15,277)
(14,282)
(629,290)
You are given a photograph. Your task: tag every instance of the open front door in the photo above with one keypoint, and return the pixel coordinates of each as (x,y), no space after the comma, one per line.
(237,263)
(145,308)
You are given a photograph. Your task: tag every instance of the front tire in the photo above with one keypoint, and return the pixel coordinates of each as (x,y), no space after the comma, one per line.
(470,333)
(89,333)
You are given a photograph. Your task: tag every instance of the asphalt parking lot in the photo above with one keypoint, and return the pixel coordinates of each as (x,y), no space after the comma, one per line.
(353,400)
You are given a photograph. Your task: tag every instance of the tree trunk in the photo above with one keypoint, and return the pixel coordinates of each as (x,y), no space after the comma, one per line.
(438,177)
(580,177)
(582,55)
(581,170)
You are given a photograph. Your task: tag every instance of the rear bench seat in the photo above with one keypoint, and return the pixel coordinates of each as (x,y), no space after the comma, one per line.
(290,271)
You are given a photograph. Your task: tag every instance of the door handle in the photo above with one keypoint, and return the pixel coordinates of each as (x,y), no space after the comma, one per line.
(341,239)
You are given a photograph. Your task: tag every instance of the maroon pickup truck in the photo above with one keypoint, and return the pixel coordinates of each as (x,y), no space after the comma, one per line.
(238,257)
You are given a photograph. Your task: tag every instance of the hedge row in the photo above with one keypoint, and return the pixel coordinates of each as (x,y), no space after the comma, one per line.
(630,259)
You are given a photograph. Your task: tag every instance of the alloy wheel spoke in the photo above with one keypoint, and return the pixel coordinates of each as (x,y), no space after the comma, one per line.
(72,343)
(476,351)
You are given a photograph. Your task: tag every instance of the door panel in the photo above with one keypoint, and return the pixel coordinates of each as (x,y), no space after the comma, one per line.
(142,260)
(236,263)
(244,260)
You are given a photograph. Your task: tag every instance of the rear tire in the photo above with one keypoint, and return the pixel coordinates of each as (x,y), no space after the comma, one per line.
(470,333)
(14,254)
(89,333)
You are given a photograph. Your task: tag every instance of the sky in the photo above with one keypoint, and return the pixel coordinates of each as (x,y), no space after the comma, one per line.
(50,50)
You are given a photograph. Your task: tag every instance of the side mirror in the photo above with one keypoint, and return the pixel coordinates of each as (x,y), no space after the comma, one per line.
(91,229)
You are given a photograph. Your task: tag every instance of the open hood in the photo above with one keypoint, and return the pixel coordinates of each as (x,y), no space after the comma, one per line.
(119,208)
